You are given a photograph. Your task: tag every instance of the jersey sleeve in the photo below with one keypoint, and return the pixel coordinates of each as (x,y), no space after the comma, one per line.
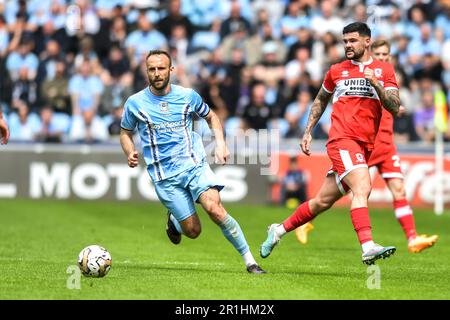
(200,107)
(390,83)
(129,120)
(328,84)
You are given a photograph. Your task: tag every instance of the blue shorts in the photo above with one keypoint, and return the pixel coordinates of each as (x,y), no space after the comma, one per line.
(178,193)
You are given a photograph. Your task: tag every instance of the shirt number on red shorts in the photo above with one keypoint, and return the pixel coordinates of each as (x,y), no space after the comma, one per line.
(396,159)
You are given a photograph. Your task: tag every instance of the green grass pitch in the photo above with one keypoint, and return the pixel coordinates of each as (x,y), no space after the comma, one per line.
(41,239)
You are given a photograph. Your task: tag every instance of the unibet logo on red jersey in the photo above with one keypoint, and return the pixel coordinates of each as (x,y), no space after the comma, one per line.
(359,87)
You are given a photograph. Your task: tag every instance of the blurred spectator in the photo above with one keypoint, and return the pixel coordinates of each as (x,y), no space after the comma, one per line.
(54,91)
(116,91)
(297,114)
(107,9)
(304,39)
(21,58)
(48,60)
(178,39)
(294,19)
(85,90)
(429,68)
(416,20)
(254,54)
(275,7)
(49,26)
(4,37)
(239,38)
(235,21)
(424,118)
(23,125)
(270,69)
(232,82)
(208,39)
(51,129)
(212,95)
(24,90)
(88,127)
(173,19)
(118,32)
(116,65)
(394,25)
(442,22)
(213,64)
(294,185)
(114,125)
(90,20)
(202,13)
(180,74)
(359,13)
(257,113)
(87,53)
(326,21)
(144,39)
(303,63)
(424,45)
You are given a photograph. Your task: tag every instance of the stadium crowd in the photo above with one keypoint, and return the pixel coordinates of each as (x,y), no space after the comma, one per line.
(68,66)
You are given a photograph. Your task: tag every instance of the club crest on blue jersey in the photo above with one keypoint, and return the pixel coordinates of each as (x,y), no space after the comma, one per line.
(164,107)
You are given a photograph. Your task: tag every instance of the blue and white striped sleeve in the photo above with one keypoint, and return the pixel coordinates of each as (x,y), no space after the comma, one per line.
(200,107)
(129,120)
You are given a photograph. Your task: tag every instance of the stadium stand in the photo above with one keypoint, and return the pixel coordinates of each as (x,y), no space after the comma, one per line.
(70,65)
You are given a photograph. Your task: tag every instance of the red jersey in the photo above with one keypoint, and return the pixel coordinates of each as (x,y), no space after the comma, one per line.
(385,133)
(357,108)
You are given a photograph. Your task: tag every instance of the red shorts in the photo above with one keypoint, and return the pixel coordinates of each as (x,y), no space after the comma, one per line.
(385,158)
(346,155)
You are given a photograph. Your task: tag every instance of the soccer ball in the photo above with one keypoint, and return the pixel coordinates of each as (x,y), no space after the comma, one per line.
(94,261)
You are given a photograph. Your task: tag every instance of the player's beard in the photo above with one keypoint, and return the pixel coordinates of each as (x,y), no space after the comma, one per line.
(357,54)
(161,86)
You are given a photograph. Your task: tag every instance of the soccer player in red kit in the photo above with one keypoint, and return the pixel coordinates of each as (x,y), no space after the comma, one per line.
(385,158)
(361,87)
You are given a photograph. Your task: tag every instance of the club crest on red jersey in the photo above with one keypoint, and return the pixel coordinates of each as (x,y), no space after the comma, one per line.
(378,72)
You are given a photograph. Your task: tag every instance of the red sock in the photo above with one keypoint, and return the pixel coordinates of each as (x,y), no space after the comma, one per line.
(361,223)
(300,216)
(404,215)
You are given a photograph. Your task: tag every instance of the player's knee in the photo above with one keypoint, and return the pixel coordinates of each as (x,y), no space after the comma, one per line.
(215,211)
(322,204)
(362,190)
(193,232)
(398,192)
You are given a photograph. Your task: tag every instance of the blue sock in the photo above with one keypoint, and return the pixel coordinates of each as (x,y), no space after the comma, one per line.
(232,231)
(176,223)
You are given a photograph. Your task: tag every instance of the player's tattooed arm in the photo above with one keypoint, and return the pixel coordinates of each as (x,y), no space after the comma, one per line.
(317,109)
(390,99)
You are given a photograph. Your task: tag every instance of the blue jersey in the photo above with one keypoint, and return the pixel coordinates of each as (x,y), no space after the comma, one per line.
(169,145)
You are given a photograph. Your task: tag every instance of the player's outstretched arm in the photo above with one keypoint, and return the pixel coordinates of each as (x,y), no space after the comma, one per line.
(126,141)
(318,107)
(390,99)
(221,151)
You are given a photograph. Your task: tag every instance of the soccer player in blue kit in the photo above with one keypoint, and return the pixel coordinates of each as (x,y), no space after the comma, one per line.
(175,156)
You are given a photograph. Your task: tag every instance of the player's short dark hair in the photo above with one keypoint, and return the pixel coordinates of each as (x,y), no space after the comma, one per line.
(380,43)
(360,27)
(158,52)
